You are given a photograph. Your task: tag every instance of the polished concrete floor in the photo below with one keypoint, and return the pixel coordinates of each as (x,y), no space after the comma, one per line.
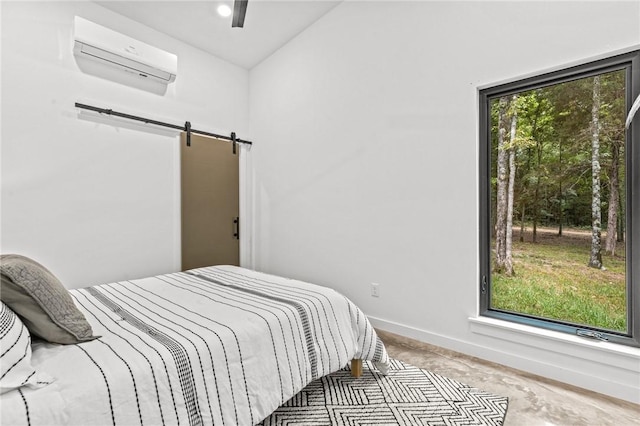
(533,400)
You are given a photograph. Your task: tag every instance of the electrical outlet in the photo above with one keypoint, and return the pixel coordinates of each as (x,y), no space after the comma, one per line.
(375,289)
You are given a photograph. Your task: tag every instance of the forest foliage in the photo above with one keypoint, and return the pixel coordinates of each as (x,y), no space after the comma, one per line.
(558,161)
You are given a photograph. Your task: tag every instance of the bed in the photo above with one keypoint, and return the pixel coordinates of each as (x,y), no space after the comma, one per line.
(217,345)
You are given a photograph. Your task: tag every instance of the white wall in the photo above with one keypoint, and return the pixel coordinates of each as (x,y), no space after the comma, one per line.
(94,202)
(367,165)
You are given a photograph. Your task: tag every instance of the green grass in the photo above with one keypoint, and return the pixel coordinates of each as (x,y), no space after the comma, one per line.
(552,280)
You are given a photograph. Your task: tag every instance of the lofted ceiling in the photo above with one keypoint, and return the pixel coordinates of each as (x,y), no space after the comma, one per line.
(268,25)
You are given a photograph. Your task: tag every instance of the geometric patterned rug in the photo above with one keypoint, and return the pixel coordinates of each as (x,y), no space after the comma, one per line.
(407,396)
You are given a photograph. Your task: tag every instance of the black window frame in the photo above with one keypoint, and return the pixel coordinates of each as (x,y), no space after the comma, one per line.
(631,62)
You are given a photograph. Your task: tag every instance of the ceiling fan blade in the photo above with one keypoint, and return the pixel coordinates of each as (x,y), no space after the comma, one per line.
(239,11)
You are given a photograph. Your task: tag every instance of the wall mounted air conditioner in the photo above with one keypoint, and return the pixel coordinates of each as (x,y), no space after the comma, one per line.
(110,48)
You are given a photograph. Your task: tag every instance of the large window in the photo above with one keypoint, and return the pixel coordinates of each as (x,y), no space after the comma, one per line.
(559,201)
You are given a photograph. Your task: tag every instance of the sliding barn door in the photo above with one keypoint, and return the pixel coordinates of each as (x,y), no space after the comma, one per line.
(210,202)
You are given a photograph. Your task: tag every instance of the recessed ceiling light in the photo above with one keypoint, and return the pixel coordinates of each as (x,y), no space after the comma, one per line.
(224,10)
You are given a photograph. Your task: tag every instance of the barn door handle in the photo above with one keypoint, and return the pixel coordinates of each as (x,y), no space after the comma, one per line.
(236,227)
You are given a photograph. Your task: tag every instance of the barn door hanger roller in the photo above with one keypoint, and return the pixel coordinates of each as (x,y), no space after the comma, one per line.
(234,140)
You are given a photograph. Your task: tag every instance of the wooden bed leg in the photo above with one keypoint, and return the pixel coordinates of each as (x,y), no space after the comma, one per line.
(356,368)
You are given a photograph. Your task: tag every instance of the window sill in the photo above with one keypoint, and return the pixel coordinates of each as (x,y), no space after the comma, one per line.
(620,356)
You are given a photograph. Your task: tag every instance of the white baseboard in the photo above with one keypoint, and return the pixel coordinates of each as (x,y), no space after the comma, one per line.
(601,370)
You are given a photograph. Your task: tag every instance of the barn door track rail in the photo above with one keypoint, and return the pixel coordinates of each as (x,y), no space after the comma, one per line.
(186,127)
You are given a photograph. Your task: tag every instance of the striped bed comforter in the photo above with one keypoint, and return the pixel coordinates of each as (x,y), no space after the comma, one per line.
(218,345)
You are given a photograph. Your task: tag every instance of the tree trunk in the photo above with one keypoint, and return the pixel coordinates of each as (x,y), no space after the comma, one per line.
(595,258)
(621,220)
(560,195)
(614,194)
(536,193)
(522,217)
(512,179)
(501,193)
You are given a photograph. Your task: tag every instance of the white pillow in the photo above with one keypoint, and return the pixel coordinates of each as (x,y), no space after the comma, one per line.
(15,354)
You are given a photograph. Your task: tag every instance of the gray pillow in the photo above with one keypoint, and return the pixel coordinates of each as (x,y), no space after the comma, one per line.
(41,301)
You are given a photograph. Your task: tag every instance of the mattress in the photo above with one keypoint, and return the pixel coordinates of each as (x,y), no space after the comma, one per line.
(217,345)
